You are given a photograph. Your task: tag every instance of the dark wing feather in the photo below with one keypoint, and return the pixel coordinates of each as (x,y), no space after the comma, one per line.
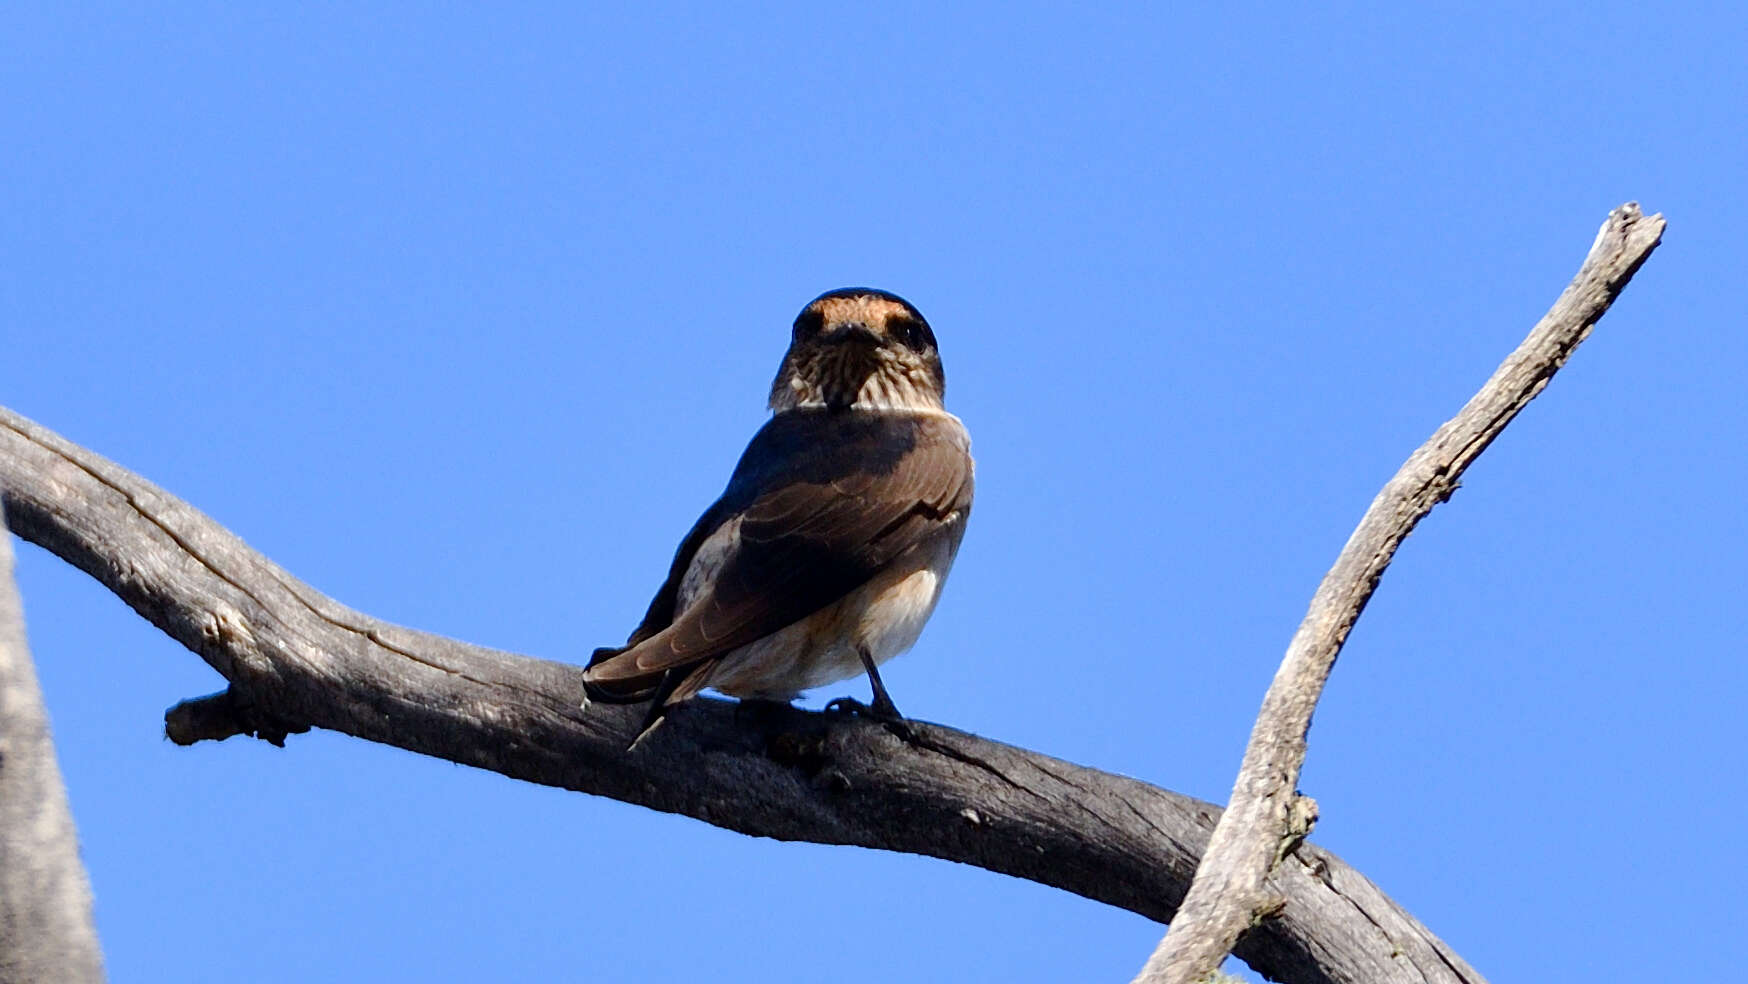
(661,608)
(827,499)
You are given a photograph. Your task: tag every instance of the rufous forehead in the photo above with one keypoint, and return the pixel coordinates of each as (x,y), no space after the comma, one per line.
(867,309)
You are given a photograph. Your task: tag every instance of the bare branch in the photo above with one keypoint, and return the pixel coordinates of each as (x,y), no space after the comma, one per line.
(225,714)
(46,934)
(1229,891)
(295,658)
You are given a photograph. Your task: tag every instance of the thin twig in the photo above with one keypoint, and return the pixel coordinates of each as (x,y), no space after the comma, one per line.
(1228,893)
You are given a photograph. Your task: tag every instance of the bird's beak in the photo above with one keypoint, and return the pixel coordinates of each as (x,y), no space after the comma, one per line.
(849,331)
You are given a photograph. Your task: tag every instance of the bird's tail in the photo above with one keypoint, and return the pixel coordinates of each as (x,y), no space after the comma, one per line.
(617,691)
(667,688)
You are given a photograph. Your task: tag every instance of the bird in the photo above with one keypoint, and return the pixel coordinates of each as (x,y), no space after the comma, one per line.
(829,548)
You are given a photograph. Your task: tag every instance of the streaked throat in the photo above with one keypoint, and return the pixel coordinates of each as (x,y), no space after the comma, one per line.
(875,380)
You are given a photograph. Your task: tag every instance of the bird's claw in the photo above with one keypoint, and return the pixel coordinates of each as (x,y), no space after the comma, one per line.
(884,713)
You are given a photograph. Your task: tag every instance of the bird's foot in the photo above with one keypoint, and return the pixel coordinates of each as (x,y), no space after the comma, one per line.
(882,711)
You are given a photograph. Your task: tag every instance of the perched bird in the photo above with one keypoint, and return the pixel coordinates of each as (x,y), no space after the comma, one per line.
(828,550)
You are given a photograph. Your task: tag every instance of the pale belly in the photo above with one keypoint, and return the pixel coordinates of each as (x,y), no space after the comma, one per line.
(884,616)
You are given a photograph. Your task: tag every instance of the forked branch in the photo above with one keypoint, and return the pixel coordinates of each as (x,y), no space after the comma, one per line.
(295,659)
(1266,815)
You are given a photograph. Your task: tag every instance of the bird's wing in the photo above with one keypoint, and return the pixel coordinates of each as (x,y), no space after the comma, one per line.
(825,500)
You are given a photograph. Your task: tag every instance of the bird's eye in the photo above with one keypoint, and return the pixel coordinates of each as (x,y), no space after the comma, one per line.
(808,323)
(913,332)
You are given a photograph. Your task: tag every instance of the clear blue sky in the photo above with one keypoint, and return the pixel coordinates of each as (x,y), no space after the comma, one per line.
(464,316)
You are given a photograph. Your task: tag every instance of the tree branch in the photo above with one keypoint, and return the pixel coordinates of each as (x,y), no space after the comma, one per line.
(295,658)
(46,932)
(1265,815)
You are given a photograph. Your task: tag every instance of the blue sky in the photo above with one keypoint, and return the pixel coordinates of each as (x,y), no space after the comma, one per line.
(464,315)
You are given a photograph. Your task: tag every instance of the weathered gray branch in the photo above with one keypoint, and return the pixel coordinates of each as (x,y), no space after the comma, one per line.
(295,659)
(1266,816)
(46,935)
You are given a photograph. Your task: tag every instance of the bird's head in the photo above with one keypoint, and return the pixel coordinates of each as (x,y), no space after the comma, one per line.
(860,348)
